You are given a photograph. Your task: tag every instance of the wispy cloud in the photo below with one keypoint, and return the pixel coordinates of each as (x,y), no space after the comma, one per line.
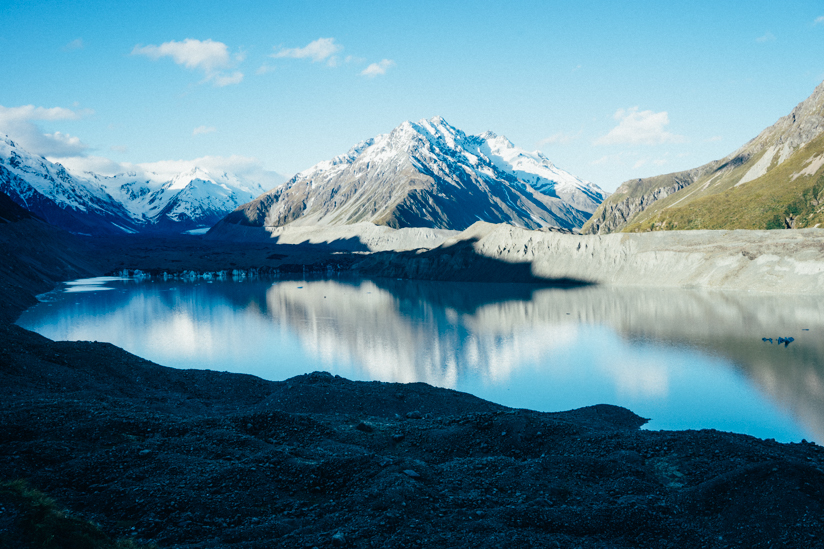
(639,128)
(322,49)
(376,69)
(119,149)
(609,159)
(221,80)
(819,20)
(208,56)
(767,37)
(245,167)
(76,44)
(715,138)
(559,138)
(265,69)
(200,130)
(19,124)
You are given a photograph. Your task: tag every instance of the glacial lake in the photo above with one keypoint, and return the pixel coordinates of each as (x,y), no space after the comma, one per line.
(686,359)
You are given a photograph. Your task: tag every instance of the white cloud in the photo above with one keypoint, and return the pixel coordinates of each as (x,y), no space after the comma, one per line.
(639,127)
(767,37)
(96,164)
(376,69)
(819,20)
(715,138)
(200,130)
(76,44)
(208,56)
(322,49)
(119,149)
(639,163)
(30,112)
(18,123)
(242,166)
(221,80)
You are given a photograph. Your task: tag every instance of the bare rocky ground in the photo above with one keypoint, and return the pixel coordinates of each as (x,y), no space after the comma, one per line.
(207,459)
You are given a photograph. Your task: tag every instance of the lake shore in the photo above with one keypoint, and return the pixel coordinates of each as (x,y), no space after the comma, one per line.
(207,459)
(192,458)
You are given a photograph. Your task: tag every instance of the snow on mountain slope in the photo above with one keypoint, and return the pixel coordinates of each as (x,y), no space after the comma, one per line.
(129,202)
(537,170)
(192,199)
(49,191)
(429,174)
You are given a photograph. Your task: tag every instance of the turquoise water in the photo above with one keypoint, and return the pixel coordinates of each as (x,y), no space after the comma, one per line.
(685,359)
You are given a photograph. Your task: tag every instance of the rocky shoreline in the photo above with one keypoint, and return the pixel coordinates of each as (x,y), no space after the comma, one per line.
(209,459)
(200,459)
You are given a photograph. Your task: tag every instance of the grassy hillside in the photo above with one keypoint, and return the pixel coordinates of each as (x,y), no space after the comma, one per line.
(772,182)
(634,196)
(789,195)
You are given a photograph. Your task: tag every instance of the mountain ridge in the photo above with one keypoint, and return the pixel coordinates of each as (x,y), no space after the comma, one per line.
(427,174)
(130,202)
(775,180)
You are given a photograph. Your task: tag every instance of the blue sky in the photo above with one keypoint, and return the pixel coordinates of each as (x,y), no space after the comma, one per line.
(609,91)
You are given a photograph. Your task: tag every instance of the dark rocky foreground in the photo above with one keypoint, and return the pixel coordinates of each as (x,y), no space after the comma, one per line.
(207,459)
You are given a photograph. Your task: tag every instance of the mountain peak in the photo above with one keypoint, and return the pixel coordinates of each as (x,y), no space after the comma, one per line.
(430,174)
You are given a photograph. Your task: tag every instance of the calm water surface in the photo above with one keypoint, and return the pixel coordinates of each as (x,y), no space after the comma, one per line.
(685,359)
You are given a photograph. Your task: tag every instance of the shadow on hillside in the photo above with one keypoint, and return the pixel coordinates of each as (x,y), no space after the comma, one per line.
(457,263)
(352,244)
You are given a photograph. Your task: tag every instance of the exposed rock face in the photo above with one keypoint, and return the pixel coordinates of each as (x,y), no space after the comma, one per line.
(428,174)
(614,213)
(782,163)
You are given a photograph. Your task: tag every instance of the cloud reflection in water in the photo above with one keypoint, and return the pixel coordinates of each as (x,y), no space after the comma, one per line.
(688,359)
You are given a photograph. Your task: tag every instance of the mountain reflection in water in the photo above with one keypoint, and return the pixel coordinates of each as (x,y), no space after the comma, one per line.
(686,359)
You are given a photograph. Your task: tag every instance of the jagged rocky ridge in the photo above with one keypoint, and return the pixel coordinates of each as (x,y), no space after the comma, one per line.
(427,174)
(773,181)
(133,202)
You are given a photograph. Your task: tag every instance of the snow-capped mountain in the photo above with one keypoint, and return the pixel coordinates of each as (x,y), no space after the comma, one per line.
(90,203)
(429,174)
(49,191)
(190,200)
